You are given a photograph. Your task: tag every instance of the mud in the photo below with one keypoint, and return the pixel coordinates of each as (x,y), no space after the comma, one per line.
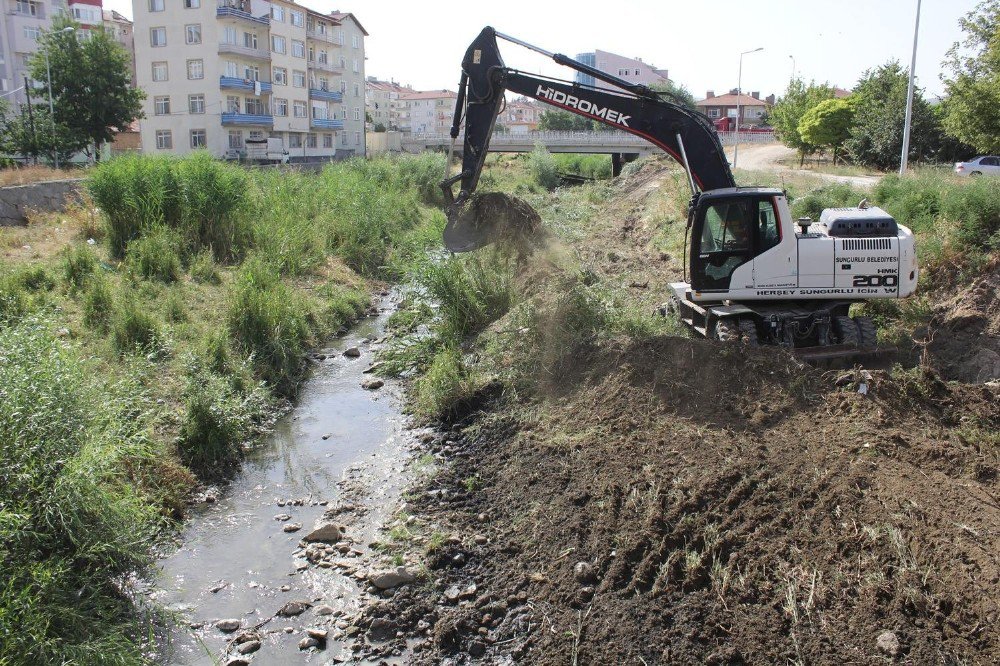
(682,502)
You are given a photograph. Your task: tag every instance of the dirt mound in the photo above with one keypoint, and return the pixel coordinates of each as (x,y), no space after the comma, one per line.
(492,217)
(685,502)
(963,341)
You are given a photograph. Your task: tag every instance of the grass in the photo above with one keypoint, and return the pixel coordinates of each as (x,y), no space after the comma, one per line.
(26,175)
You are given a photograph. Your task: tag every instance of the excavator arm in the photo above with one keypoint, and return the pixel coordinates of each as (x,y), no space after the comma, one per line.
(685,135)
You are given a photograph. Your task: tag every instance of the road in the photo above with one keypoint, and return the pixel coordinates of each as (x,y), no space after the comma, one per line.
(767,157)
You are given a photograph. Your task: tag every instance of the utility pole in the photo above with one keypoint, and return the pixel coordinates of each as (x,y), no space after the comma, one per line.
(31,122)
(739,94)
(909,98)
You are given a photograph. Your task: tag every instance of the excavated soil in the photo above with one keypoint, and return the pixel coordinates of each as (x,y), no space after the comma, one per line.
(963,341)
(682,502)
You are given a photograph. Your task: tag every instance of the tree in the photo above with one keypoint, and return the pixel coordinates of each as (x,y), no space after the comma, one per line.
(972,111)
(379,127)
(828,124)
(676,93)
(91,82)
(877,135)
(786,115)
(557,119)
(17,137)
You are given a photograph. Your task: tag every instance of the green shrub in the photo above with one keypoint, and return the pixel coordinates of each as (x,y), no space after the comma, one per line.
(203,268)
(422,173)
(543,167)
(596,167)
(975,206)
(133,329)
(174,307)
(36,278)
(155,256)
(77,514)
(79,263)
(13,303)
(213,196)
(472,291)
(837,195)
(443,386)
(98,305)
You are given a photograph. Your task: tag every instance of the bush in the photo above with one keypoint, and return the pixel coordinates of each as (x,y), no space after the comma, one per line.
(472,291)
(595,167)
(837,195)
(439,390)
(543,167)
(212,197)
(98,305)
(78,263)
(13,304)
(203,268)
(36,278)
(135,330)
(174,307)
(155,256)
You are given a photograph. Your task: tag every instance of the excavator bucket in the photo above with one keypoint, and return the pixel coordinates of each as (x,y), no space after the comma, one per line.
(491,217)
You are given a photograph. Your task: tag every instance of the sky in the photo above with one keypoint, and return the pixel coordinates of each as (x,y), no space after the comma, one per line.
(699,43)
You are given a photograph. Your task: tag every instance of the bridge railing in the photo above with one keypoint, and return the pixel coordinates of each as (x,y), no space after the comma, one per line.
(568,138)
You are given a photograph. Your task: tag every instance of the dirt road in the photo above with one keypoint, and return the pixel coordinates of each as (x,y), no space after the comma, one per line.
(768,157)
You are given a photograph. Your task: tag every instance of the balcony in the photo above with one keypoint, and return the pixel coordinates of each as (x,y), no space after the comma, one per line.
(235,83)
(237,10)
(243,119)
(245,51)
(325,95)
(324,37)
(324,67)
(323,123)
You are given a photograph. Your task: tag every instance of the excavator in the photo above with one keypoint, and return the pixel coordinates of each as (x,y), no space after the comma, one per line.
(752,272)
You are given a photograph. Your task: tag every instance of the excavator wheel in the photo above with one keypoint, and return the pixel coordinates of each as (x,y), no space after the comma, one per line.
(867,332)
(727,330)
(846,331)
(748,330)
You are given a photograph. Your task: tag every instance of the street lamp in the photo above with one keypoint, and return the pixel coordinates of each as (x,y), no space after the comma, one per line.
(52,115)
(793,67)
(739,93)
(909,99)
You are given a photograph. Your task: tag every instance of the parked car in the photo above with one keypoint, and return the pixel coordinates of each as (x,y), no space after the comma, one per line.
(986,164)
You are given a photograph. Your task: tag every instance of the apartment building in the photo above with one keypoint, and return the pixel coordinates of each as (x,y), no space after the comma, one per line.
(429,111)
(382,102)
(521,115)
(26,21)
(633,70)
(225,75)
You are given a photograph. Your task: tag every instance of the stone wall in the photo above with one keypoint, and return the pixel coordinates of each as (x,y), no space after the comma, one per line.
(48,197)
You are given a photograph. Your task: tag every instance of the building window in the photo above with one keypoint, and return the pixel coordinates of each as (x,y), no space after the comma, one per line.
(28,8)
(161,106)
(196,69)
(157,36)
(299,109)
(251,72)
(323,58)
(232,69)
(87,14)
(255,106)
(298,79)
(192,34)
(294,140)
(280,107)
(312,54)
(198,138)
(192,4)
(713,113)
(310,140)
(280,76)
(357,138)
(731,113)
(159,71)
(343,87)
(328,141)
(164,140)
(196,104)
(343,63)
(156,5)
(277,13)
(250,40)
(298,19)
(32,32)
(355,65)
(357,90)
(343,138)
(355,42)
(277,43)
(357,113)
(229,35)
(232,104)
(235,139)
(298,49)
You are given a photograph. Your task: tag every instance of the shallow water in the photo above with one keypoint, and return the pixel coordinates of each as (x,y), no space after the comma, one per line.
(236,546)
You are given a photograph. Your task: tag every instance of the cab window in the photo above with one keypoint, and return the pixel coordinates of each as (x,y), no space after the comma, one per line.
(725,228)
(767,229)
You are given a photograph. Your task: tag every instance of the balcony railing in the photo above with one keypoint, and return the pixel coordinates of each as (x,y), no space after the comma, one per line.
(235,83)
(327,95)
(324,123)
(324,66)
(245,51)
(324,37)
(238,10)
(247,119)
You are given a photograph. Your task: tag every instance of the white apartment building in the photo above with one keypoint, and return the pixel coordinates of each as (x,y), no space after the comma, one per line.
(382,102)
(633,70)
(429,111)
(221,73)
(23,24)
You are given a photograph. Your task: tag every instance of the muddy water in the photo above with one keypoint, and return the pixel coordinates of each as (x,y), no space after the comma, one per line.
(342,446)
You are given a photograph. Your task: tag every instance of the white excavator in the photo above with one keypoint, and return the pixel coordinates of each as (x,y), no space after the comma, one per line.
(752,272)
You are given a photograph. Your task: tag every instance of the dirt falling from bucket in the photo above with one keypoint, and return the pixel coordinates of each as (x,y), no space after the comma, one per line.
(493,217)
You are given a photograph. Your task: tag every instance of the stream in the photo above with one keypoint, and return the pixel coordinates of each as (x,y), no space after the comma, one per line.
(341,452)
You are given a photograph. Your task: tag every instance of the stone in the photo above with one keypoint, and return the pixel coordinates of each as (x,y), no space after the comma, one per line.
(586,593)
(584,572)
(245,637)
(468,593)
(384,580)
(308,642)
(324,610)
(238,661)
(452,594)
(228,626)
(372,384)
(480,540)
(282,517)
(458,560)
(249,647)
(217,588)
(293,608)
(888,643)
(352,352)
(318,634)
(329,533)
(482,517)
(292,527)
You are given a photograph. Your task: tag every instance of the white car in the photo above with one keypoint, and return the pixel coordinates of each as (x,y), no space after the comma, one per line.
(979,166)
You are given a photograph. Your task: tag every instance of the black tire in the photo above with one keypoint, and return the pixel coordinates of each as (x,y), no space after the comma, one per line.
(726,330)
(748,331)
(867,331)
(976,173)
(846,331)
